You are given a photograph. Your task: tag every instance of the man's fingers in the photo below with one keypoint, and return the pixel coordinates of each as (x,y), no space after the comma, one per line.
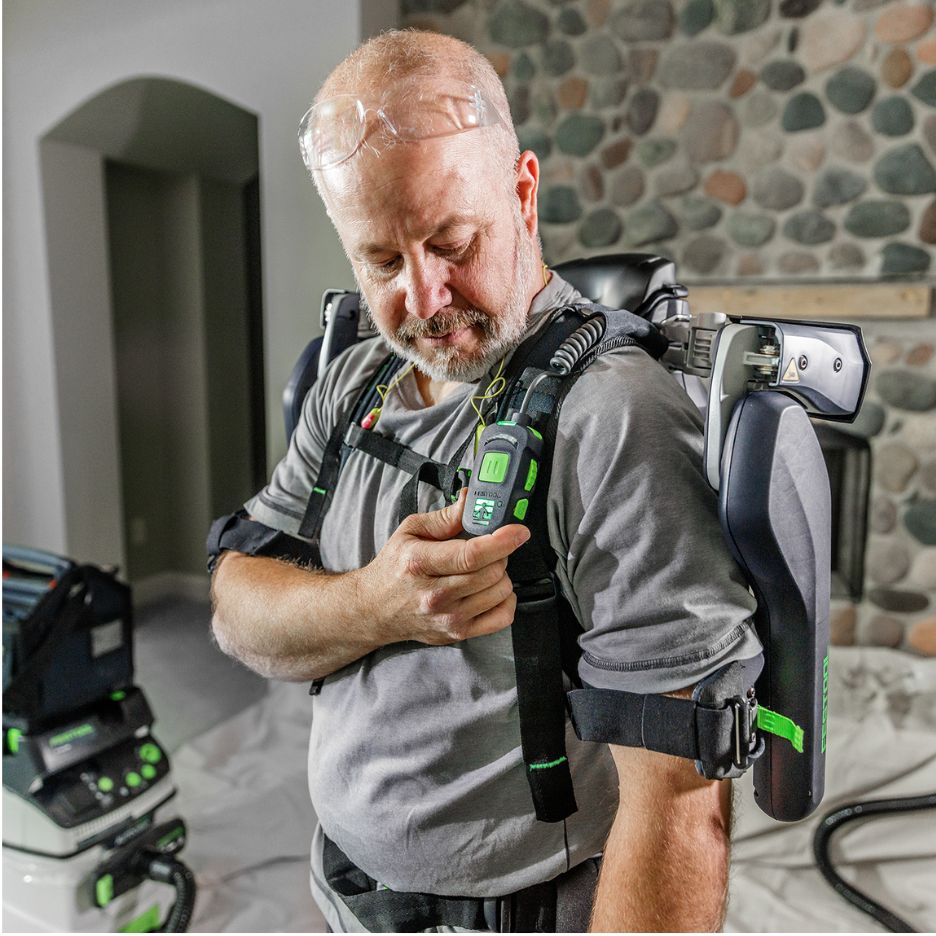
(496,619)
(440,524)
(483,601)
(461,557)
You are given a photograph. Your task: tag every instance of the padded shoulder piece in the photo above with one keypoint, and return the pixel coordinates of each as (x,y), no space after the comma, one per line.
(236,531)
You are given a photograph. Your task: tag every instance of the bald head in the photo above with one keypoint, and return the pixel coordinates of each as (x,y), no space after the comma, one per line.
(406,59)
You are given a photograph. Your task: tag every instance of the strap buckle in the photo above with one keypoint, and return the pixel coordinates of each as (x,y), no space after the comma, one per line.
(746,740)
(539,590)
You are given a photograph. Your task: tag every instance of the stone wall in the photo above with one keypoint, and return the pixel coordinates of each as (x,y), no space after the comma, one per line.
(899,421)
(763,139)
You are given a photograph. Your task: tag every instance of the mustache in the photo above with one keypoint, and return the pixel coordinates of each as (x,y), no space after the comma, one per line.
(442,323)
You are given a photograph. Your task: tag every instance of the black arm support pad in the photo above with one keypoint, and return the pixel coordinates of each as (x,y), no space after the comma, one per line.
(717,733)
(237,531)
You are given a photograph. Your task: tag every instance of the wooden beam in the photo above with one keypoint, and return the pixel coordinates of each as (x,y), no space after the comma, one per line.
(833,302)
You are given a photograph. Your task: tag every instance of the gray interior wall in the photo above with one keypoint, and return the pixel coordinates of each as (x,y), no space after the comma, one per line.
(267,58)
(38,495)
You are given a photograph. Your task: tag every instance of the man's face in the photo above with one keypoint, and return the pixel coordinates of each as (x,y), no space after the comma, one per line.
(441,250)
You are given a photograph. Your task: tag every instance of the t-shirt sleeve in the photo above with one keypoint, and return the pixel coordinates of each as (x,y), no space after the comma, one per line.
(281,503)
(642,557)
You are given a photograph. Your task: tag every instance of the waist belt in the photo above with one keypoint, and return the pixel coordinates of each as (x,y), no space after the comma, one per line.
(562,905)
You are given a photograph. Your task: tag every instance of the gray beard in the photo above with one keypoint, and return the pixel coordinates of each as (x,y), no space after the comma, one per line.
(499,336)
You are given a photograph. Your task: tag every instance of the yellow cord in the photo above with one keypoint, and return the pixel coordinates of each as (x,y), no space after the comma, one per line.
(545,274)
(384,390)
(494,389)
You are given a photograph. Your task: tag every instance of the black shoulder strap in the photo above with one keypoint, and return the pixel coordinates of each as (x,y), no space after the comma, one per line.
(320,497)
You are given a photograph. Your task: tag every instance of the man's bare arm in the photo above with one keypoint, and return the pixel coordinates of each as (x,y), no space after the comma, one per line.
(665,865)
(287,622)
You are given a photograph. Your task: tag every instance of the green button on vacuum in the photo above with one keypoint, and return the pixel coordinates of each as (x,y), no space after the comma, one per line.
(104,890)
(494,467)
(105,784)
(150,753)
(133,779)
(521,508)
(531,476)
(148,771)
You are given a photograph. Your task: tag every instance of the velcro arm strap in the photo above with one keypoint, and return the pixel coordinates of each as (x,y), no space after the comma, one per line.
(710,736)
(237,531)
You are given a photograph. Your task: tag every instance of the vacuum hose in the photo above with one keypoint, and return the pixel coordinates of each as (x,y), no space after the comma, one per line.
(167,870)
(837,818)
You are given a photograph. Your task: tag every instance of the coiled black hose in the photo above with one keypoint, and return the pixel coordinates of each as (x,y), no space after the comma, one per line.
(835,820)
(168,870)
(570,352)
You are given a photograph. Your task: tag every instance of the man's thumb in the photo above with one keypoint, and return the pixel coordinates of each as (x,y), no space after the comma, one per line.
(442,524)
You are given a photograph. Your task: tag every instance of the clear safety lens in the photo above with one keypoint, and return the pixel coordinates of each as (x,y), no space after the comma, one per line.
(334,129)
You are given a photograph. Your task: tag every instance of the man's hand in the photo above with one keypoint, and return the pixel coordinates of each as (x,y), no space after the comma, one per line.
(430,586)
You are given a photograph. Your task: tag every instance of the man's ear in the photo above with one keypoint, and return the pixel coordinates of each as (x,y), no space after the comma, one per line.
(527,187)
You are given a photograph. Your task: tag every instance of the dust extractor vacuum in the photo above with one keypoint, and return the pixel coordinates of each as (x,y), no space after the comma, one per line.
(89,844)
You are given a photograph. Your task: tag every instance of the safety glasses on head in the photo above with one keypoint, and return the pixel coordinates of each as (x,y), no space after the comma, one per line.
(334,129)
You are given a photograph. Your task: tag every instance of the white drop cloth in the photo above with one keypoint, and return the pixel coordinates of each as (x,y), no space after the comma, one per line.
(242,790)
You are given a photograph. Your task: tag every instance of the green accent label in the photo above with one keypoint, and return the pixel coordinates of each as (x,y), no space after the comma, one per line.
(521,508)
(73,734)
(535,432)
(150,753)
(146,922)
(531,476)
(13,739)
(318,490)
(104,890)
(546,766)
(506,422)
(119,695)
(105,784)
(780,725)
(825,699)
(494,467)
(148,771)
(133,779)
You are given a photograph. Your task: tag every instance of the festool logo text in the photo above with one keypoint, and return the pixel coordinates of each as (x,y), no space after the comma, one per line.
(73,734)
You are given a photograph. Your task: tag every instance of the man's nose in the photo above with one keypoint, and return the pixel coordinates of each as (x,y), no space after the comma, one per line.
(427,288)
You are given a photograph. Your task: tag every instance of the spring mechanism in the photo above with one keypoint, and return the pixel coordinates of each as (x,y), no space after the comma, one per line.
(571,351)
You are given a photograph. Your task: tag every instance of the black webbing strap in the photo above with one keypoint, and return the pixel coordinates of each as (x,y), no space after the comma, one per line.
(440,475)
(669,725)
(385,911)
(236,531)
(539,644)
(323,490)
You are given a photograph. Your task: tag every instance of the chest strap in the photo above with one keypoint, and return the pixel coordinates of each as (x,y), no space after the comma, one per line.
(446,477)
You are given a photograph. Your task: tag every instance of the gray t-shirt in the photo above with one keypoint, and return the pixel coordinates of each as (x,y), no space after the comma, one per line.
(415,767)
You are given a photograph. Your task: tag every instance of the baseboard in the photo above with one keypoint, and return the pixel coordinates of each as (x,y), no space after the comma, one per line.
(155,588)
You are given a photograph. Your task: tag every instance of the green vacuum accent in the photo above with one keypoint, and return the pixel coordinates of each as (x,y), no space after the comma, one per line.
(825,699)
(13,740)
(105,784)
(170,837)
(148,771)
(777,724)
(133,779)
(319,490)
(118,696)
(150,753)
(521,508)
(146,922)
(104,890)
(73,734)
(531,476)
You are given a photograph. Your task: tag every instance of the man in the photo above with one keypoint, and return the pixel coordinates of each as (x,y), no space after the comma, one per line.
(415,768)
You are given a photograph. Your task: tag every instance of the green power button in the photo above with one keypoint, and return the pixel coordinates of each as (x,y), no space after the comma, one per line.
(132,779)
(521,508)
(148,771)
(494,467)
